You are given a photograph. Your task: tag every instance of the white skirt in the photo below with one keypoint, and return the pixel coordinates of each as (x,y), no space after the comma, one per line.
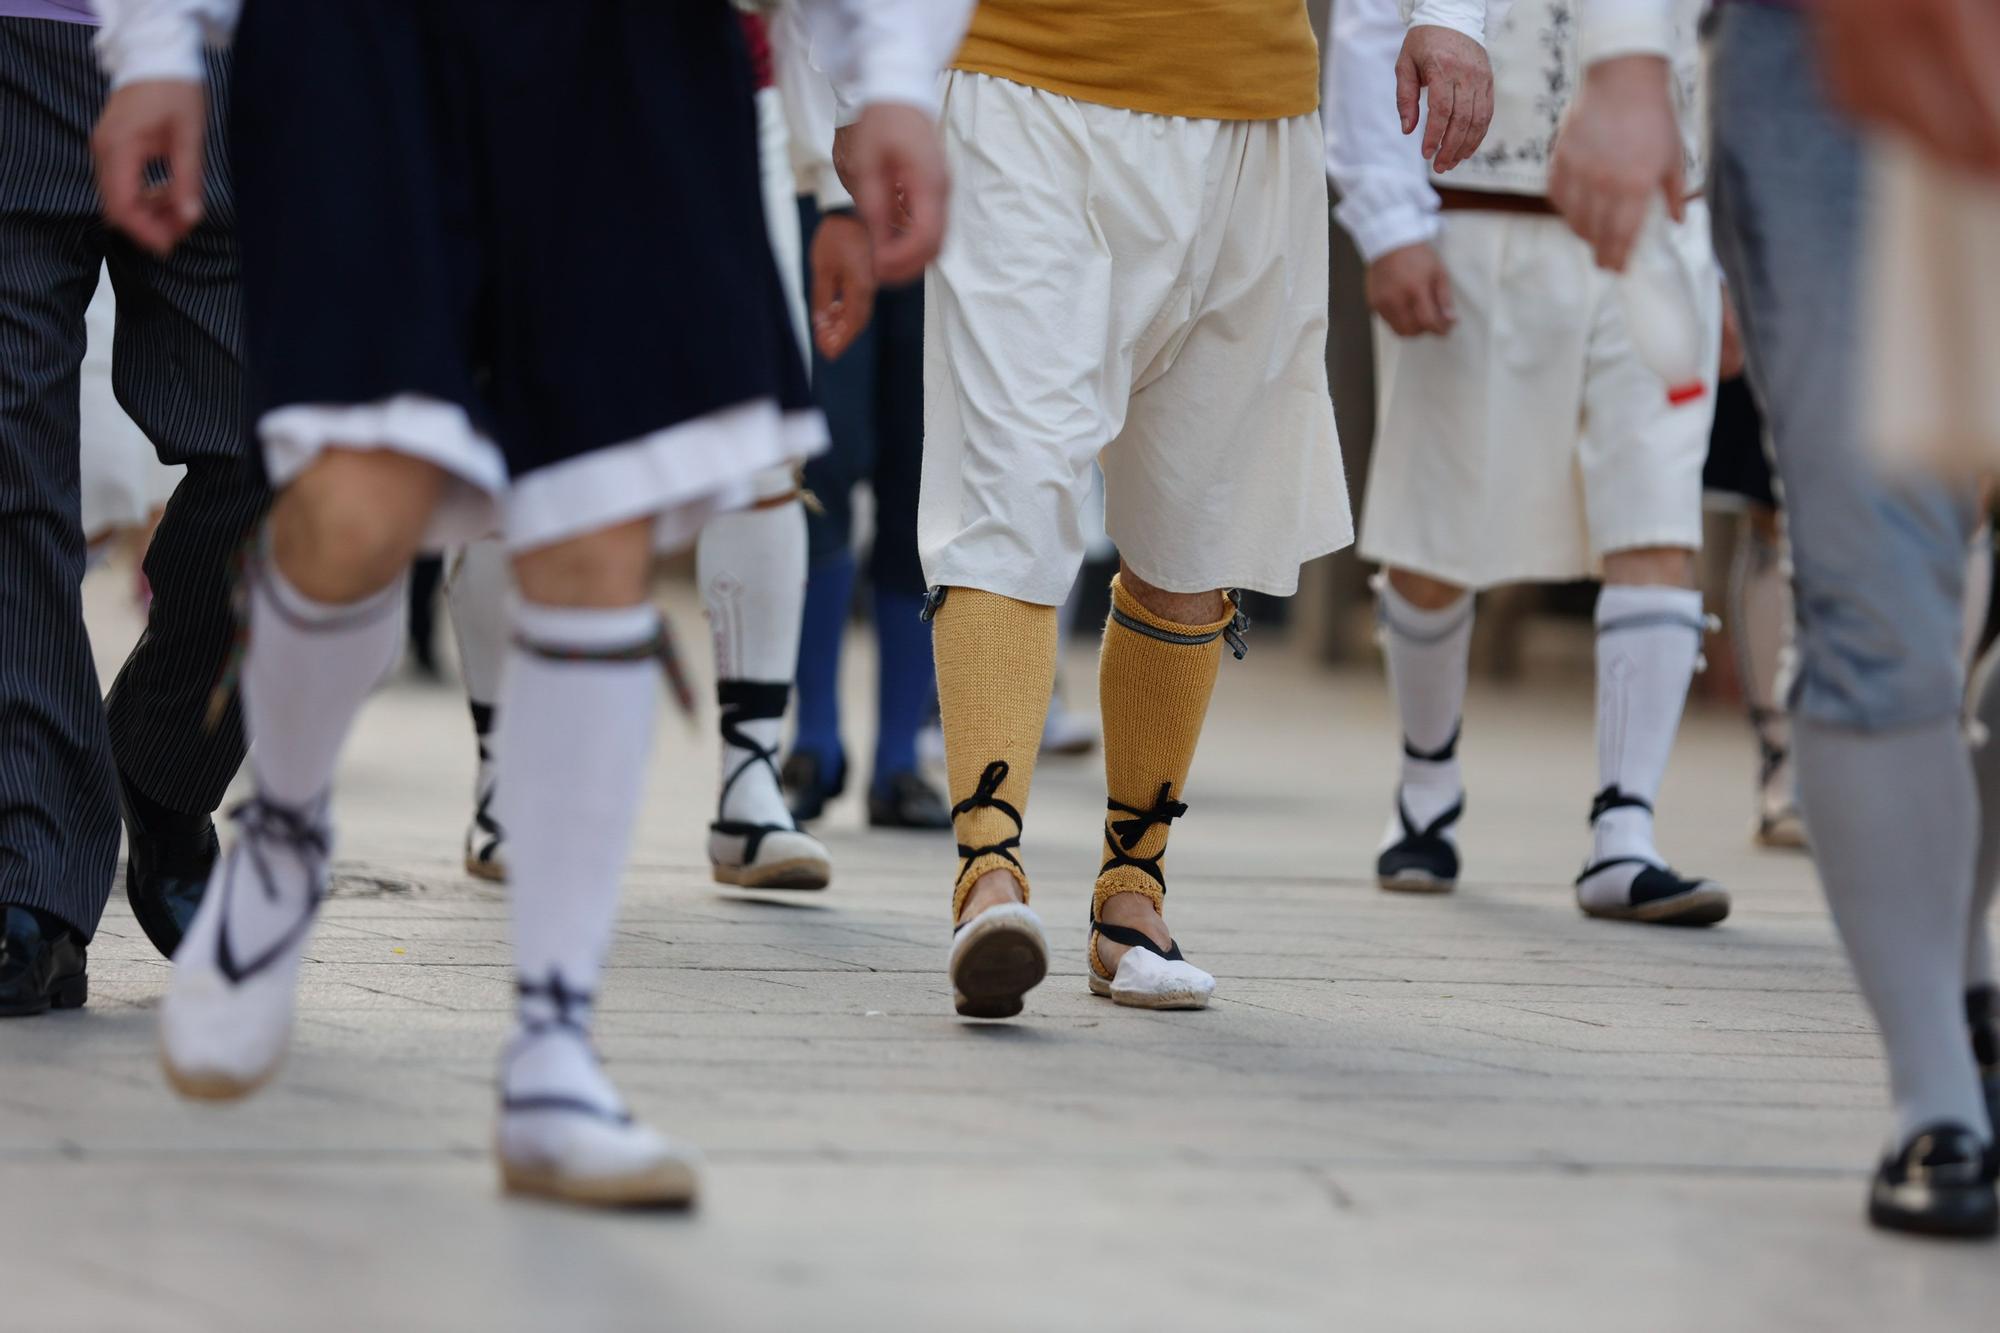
(1532,440)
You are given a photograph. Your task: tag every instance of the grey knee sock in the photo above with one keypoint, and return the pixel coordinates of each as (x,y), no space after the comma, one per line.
(1893,820)
(1979,969)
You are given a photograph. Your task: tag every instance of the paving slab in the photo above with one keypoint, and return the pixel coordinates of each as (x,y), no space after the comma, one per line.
(1480,1111)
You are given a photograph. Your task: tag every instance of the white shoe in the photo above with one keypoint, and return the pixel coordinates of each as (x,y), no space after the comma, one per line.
(1149,979)
(564,1133)
(226,1018)
(767,856)
(1068,730)
(996,958)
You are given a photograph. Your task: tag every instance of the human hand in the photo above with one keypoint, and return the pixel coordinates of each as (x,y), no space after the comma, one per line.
(1925,67)
(1730,364)
(152,120)
(1619,145)
(843,272)
(890,160)
(1454,71)
(1411,291)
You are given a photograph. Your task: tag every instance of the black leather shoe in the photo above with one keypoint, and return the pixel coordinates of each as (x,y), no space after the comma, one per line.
(908,802)
(168,857)
(1982,1015)
(41,964)
(1940,1184)
(809,785)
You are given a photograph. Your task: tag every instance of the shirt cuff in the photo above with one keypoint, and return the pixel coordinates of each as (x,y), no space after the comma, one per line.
(828,190)
(1610,28)
(1378,231)
(1457,15)
(887,81)
(157,46)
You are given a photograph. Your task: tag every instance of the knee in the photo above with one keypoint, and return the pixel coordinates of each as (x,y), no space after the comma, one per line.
(1181,608)
(338,543)
(1422,591)
(605,569)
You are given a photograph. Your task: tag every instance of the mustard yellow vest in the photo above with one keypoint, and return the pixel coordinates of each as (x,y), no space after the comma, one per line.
(1204,59)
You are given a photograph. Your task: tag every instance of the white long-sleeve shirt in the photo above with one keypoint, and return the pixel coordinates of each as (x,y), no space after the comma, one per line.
(1605,28)
(809,111)
(1386,199)
(1388,196)
(874,50)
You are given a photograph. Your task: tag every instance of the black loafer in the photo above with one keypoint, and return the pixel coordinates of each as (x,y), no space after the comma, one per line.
(809,785)
(41,964)
(907,802)
(168,857)
(1982,1016)
(1940,1184)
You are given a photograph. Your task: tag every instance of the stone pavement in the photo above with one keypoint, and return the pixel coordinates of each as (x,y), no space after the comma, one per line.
(1482,1112)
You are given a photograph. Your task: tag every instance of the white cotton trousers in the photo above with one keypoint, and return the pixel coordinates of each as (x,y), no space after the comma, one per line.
(1531,440)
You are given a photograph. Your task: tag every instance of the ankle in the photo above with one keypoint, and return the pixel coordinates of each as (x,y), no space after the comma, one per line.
(1137,911)
(1623,832)
(991,889)
(1439,780)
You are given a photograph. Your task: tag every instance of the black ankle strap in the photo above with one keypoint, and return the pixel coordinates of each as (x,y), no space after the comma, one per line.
(986,796)
(1136,939)
(1613,799)
(1448,750)
(1164,811)
(303,831)
(749,701)
(1436,827)
(1122,835)
(569,1005)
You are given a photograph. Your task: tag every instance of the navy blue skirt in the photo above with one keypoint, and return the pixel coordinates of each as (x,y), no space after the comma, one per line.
(545,212)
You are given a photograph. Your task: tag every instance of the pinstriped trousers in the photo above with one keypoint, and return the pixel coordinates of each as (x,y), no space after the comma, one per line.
(176,370)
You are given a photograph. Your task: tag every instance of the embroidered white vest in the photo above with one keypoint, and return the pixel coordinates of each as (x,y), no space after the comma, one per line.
(1535,75)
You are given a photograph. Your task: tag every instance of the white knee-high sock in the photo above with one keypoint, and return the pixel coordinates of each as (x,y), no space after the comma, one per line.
(1761,626)
(477,595)
(1893,818)
(308,668)
(578,705)
(1985,693)
(1648,641)
(1426,653)
(752,569)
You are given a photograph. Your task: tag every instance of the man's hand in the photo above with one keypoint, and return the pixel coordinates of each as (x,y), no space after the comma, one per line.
(1730,364)
(146,122)
(1926,67)
(843,294)
(890,160)
(1619,145)
(1454,71)
(1411,291)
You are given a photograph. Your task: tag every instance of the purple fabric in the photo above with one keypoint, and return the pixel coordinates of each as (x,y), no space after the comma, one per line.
(62,11)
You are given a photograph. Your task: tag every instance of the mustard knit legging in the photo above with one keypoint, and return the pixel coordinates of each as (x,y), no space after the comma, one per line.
(996,667)
(1154,681)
